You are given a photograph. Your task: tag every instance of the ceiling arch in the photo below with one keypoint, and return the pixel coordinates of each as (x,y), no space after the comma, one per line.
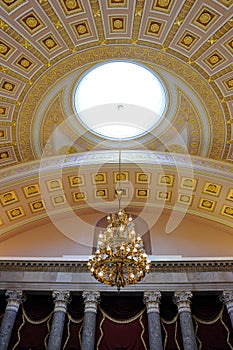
(45,48)
(201,106)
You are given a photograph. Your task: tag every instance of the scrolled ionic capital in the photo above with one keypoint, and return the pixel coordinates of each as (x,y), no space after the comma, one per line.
(183,300)
(152,301)
(15,297)
(61,300)
(91,300)
(227,299)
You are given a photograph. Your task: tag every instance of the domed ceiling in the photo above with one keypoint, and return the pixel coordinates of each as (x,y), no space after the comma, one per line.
(50,163)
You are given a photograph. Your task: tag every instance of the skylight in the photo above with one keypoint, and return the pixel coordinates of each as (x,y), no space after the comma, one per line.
(119,100)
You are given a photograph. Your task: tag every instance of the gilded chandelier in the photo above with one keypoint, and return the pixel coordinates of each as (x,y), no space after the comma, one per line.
(120,258)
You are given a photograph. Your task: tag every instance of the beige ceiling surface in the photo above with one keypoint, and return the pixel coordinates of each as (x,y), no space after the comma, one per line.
(46,46)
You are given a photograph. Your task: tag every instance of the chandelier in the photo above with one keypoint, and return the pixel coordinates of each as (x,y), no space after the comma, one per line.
(120,258)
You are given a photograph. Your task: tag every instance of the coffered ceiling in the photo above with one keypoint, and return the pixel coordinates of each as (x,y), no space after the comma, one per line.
(183,165)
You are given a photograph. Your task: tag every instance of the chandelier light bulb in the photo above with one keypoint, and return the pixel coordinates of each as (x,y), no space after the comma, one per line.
(120,258)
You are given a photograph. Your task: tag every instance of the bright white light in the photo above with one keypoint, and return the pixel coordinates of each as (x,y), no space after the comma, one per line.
(119,100)
(117,131)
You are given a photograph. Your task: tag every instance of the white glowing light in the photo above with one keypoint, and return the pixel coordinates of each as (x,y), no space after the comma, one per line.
(119,100)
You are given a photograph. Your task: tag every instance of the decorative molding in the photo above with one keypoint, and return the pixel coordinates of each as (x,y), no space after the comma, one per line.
(199,164)
(80,266)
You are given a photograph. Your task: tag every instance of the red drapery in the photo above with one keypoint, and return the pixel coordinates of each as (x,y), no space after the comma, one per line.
(32,325)
(122,324)
(170,325)
(212,323)
(73,324)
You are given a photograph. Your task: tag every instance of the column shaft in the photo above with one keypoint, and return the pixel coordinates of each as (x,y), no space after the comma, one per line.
(61,299)
(91,300)
(182,299)
(231,317)
(15,298)
(152,300)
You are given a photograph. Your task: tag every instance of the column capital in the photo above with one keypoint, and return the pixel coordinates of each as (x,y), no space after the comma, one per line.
(61,295)
(91,300)
(227,299)
(152,301)
(227,296)
(152,296)
(183,300)
(61,299)
(15,297)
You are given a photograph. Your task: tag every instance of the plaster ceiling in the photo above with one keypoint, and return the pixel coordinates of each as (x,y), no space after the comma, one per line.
(184,164)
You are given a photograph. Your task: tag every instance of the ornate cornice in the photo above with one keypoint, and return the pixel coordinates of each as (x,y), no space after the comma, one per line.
(81,266)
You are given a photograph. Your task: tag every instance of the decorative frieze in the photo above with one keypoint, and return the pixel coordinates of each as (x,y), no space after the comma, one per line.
(81,265)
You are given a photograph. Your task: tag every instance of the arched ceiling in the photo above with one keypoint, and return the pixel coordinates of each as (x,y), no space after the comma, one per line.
(185,162)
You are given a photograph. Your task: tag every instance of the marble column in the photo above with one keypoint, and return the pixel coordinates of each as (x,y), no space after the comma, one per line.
(14,299)
(152,301)
(227,299)
(61,300)
(183,300)
(91,300)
